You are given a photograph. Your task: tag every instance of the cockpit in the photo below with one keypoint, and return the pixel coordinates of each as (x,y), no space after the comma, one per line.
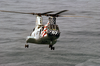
(53,27)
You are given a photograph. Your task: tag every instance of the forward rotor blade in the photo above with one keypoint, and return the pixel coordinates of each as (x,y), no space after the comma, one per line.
(61,11)
(27,13)
(73,16)
(15,12)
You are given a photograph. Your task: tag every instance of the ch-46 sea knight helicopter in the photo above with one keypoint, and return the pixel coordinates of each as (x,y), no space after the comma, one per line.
(44,34)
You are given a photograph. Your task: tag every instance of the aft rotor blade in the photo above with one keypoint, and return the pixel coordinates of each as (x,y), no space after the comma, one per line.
(46,12)
(73,16)
(56,14)
(61,11)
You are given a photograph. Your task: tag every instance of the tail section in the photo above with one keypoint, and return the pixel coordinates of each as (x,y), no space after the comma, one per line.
(38,20)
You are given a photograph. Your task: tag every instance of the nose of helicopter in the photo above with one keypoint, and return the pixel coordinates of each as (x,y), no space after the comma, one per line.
(53,33)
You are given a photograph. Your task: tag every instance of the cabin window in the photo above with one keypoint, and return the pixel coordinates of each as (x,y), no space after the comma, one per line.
(42,28)
(40,31)
(33,29)
(39,26)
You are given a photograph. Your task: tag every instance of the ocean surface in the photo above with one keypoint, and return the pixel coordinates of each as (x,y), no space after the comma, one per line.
(78,45)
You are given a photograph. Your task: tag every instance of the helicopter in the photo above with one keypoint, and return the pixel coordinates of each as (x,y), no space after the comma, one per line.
(44,34)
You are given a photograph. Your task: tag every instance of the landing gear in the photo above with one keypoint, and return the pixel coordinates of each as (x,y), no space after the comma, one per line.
(26,45)
(52,48)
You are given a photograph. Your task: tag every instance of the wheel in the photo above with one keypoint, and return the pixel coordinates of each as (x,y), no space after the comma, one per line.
(52,48)
(26,46)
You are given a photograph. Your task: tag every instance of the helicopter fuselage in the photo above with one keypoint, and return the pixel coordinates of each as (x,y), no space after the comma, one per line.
(44,34)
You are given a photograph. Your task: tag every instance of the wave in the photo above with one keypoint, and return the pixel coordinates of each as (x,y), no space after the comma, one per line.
(86,33)
(90,62)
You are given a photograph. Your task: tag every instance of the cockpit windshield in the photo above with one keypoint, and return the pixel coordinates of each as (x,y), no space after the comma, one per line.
(53,27)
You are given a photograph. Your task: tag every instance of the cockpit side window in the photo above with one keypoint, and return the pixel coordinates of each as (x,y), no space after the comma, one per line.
(57,28)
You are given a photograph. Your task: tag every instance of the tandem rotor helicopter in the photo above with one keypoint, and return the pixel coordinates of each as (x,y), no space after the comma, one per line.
(44,34)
